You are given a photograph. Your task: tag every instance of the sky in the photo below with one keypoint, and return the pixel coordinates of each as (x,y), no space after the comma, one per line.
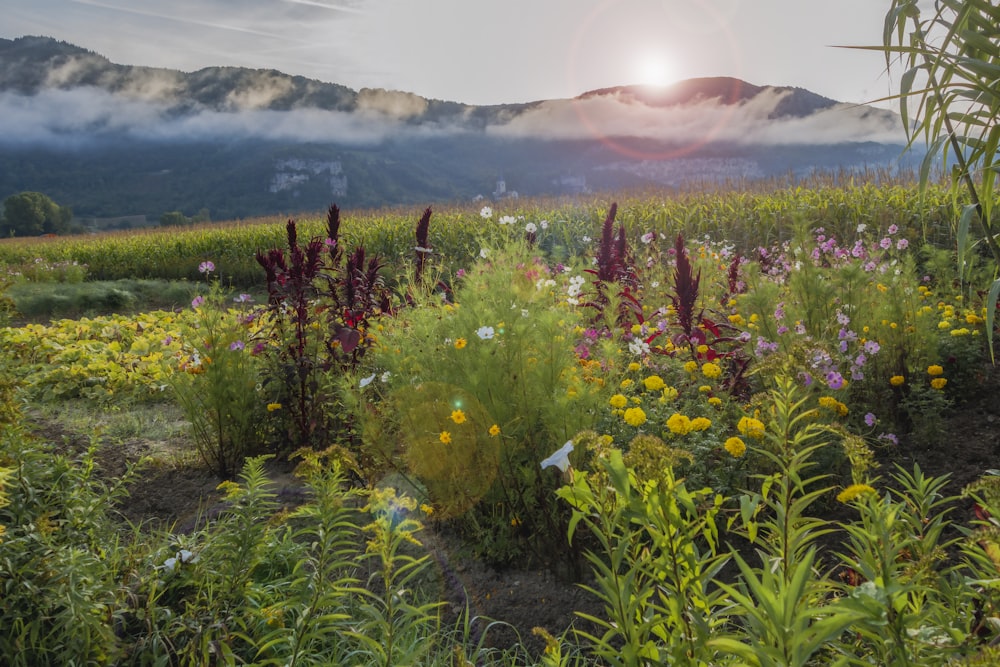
(484,51)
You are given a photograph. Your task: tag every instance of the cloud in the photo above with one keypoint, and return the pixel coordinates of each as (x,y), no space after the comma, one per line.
(615,115)
(392,103)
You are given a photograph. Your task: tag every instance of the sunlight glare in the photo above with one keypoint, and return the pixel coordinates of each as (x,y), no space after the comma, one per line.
(654,69)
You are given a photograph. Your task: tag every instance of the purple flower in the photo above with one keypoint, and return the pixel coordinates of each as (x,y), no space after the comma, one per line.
(236,345)
(871,346)
(902,244)
(243,298)
(206,267)
(860,360)
(197,301)
(890,437)
(648,237)
(807,379)
(893,229)
(782,330)
(885,243)
(258,348)
(842,318)
(870,419)
(834,380)
(168,340)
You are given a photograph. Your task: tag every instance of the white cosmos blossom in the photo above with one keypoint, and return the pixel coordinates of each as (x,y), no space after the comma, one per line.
(559,458)
(485,333)
(531,228)
(486,212)
(507,220)
(484,253)
(638,347)
(183,556)
(367,381)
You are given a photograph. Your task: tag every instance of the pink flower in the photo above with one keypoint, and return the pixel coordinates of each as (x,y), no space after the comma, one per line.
(206,267)
(197,301)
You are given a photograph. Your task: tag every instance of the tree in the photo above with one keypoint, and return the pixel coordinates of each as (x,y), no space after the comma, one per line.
(32,214)
(174,219)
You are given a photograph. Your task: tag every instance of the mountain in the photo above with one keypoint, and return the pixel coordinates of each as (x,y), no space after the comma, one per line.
(113,140)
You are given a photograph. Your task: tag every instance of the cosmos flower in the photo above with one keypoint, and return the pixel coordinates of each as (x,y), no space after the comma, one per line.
(559,458)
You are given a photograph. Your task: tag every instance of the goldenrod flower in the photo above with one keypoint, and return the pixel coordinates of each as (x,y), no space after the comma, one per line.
(458,416)
(854,491)
(897,380)
(445,437)
(735,447)
(635,417)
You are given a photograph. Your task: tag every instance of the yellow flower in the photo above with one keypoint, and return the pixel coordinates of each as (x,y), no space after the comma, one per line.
(939,383)
(934,370)
(735,447)
(752,427)
(700,423)
(853,491)
(460,343)
(626,383)
(636,329)
(635,417)
(494,431)
(445,437)
(654,383)
(618,401)
(634,366)
(960,332)
(705,388)
(715,401)
(271,407)
(897,380)
(691,366)
(711,371)
(669,393)
(229,489)
(426,509)
(458,416)
(702,349)
(679,424)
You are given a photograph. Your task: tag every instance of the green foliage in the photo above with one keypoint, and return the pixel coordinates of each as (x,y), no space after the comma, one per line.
(480,391)
(217,385)
(32,214)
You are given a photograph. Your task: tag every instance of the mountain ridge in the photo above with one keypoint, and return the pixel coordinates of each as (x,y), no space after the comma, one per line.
(110,139)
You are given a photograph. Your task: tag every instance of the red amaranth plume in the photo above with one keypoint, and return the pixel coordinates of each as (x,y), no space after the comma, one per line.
(423,248)
(685,294)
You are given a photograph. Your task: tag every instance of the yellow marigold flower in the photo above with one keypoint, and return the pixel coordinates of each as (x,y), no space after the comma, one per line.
(458,416)
(626,383)
(460,343)
(634,366)
(705,388)
(944,324)
(935,370)
(854,491)
(635,417)
(636,329)
(679,424)
(700,423)
(691,366)
(271,407)
(737,320)
(960,332)
(711,371)
(702,349)
(939,383)
(715,401)
(751,427)
(618,401)
(897,380)
(607,440)
(670,393)
(494,431)
(654,383)
(445,437)
(735,447)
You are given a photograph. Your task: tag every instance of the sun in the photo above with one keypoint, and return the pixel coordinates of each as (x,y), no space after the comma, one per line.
(653,69)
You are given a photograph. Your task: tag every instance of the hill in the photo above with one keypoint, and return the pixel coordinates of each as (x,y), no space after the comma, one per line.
(115,140)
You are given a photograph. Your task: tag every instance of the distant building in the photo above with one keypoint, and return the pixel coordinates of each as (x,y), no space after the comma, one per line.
(501,190)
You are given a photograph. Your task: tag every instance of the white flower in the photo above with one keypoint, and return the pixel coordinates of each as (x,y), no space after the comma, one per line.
(485,333)
(385,376)
(367,381)
(484,253)
(862,227)
(524,312)
(586,239)
(544,224)
(486,212)
(648,237)
(531,228)
(638,347)
(183,556)
(423,250)
(507,220)
(560,458)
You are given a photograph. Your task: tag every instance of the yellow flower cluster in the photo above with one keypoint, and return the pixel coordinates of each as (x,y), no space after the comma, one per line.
(735,446)
(635,417)
(830,403)
(711,371)
(654,383)
(751,427)
(682,424)
(854,491)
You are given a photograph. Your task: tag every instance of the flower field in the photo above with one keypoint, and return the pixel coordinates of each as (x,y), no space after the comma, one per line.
(690,404)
